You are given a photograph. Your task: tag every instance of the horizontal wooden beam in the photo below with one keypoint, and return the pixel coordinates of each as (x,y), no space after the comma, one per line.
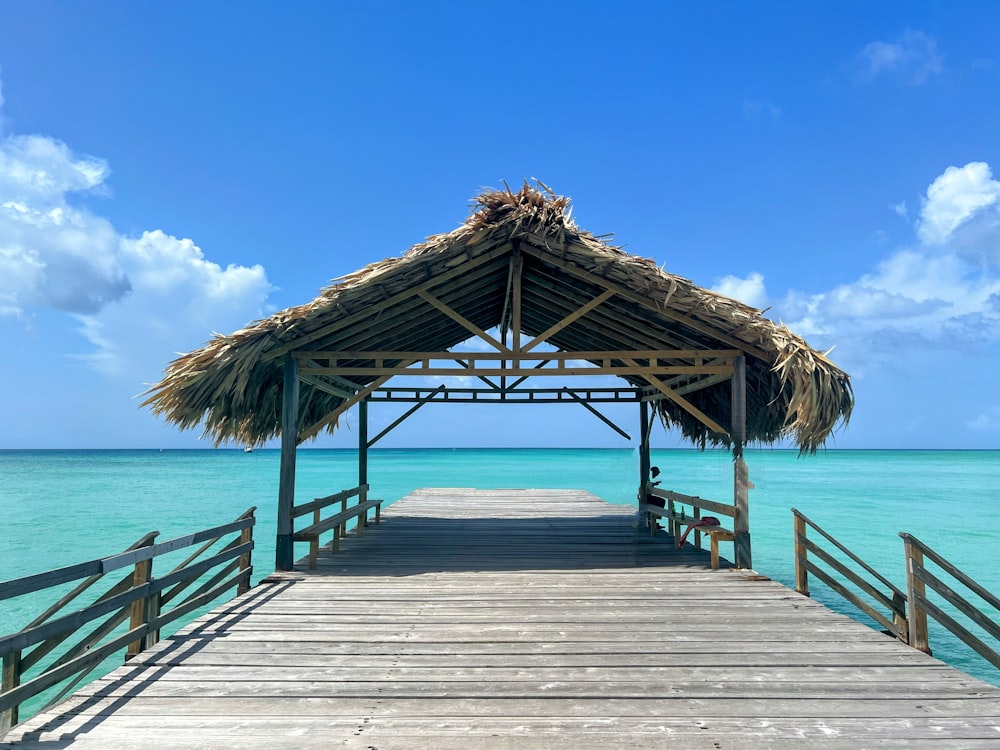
(516,371)
(509,356)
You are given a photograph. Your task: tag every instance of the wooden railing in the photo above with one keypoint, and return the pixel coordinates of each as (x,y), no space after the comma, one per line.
(337,523)
(907,611)
(881,592)
(675,513)
(138,598)
(918,578)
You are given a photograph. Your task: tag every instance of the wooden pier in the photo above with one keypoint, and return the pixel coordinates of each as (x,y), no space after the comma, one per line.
(521,619)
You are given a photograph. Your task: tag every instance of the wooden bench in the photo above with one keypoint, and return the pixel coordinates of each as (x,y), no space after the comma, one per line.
(337,522)
(678,518)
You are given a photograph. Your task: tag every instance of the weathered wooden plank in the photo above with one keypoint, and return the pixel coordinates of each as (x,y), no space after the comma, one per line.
(983,710)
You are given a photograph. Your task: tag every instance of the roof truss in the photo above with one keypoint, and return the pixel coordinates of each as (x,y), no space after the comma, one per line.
(355,374)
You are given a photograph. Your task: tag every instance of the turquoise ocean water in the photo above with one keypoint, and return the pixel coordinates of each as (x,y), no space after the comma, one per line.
(63,507)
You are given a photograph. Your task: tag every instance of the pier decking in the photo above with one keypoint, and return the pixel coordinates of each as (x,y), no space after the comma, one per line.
(521,619)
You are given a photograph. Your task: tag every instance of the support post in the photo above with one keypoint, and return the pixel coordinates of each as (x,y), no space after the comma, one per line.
(363,458)
(144,610)
(284,556)
(741,477)
(915,591)
(644,460)
(11,678)
(246,559)
(801,553)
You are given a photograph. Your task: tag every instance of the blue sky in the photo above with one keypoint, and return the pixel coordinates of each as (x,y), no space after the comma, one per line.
(169,170)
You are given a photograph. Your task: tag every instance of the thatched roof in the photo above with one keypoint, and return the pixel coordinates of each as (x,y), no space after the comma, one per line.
(233,385)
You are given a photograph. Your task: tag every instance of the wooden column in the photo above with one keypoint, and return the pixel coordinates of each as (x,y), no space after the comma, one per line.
(741,477)
(918,636)
(284,554)
(363,457)
(801,555)
(144,610)
(644,461)
(246,559)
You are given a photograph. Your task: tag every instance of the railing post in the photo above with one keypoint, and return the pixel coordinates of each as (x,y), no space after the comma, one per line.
(801,574)
(246,559)
(916,614)
(11,678)
(144,610)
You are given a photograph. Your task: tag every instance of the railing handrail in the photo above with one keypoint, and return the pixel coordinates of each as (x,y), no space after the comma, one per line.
(322,502)
(881,578)
(894,601)
(918,578)
(693,500)
(912,608)
(139,596)
(47,579)
(953,570)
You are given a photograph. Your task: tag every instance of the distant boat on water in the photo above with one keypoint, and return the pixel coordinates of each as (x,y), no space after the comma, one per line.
(248,449)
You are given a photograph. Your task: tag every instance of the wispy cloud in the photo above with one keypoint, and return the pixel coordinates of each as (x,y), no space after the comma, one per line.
(912,57)
(761,109)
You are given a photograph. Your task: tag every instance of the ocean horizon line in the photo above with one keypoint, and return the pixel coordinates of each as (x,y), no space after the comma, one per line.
(692,449)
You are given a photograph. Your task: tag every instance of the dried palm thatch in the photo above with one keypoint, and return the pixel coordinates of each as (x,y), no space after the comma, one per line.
(233,385)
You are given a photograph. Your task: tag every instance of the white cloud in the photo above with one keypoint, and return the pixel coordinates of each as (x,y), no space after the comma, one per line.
(935,293)
(178,299)
(987,421)
(962,211)
(53,254)
(138,299)
(913,57)
(749,290)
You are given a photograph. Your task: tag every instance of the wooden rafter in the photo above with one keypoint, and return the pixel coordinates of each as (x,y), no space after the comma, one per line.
(571,318)
(628,294)
(393,300)
(462,320)
(517,269)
